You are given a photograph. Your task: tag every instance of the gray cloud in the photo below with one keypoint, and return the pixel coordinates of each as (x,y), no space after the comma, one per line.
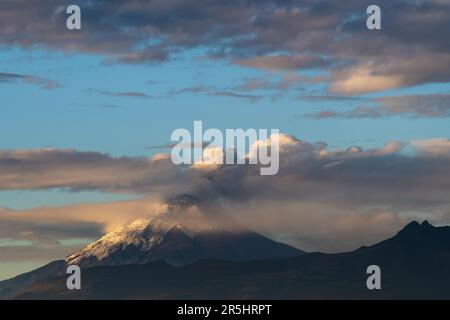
(307,171)
(231,94)
(411,49)
(25,169)
(310,172)
(35,253)
(192,89)
(27,79)
(332,98)
(191,145)
(347,197)
(35,241)
(289,81)
(218,92)
(48,233)
(249,87)
(337,200)
(416,106)
(129,94)
(284,62)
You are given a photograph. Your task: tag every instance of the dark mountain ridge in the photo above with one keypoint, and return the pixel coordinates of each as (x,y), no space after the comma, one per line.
(415,264)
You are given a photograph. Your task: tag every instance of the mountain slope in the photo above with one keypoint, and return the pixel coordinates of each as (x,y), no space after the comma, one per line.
(415,264)
(181,232)
(51,270)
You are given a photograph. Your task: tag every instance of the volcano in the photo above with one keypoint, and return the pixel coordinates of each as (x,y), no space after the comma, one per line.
(181,232)
(415,264)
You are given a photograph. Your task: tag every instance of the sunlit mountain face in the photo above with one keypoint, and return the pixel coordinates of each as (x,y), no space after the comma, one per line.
(180,233)
(231,142)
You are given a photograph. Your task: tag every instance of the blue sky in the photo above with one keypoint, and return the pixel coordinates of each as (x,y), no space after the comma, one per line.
(77,116)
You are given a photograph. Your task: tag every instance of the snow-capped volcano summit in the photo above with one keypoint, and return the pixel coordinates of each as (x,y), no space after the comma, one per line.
(180,232)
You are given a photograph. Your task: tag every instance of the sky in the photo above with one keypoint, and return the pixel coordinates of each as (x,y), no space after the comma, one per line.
(86,115)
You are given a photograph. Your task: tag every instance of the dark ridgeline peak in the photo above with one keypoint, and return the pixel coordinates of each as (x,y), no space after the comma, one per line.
(422,237)
(426,224)
(414,227)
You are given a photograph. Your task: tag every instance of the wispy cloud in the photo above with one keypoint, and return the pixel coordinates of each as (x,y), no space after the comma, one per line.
(416,106)
(28,79)
(284,62)
(332,98)
(288,81)
(231,94)
(125,94)
(218,92)
(192,89)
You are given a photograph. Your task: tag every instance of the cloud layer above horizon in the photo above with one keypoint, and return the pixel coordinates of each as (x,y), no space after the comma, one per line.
(322,199)
(283,35)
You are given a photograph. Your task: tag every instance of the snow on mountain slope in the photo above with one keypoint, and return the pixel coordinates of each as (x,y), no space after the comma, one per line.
(180,233)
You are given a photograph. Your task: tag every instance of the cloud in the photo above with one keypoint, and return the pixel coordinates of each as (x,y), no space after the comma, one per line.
(149,54)
(433,147)
(248,89)
(33,253)
(383,73)
(38,241)
(332,98)
(321,199)
(416,106)
(76,221)
(128,94)
(212,91)
(25,169)
(411,48)
(300,163)
(363,81)
(315,226)
(192,145)
(192,89)
(27,79)
(288,81)
(231,94)
(335,200)
(284,62)
(49,233)
(40,235)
